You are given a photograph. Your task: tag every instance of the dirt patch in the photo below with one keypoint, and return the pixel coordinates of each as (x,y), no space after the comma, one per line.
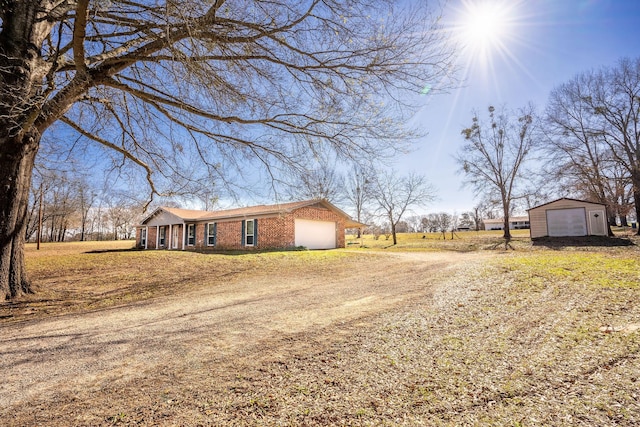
(68,355)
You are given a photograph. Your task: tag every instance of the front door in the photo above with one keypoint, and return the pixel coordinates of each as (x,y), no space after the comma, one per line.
(176,237)
(597,223)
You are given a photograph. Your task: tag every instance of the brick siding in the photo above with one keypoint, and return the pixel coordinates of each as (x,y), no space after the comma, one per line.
(273,232)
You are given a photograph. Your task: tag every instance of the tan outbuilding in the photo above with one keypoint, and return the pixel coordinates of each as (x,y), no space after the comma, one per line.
(568,217)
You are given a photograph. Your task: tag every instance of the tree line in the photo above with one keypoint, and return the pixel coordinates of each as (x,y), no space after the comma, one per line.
(66,207)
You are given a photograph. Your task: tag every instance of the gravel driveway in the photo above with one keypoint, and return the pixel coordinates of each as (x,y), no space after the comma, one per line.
(74,355)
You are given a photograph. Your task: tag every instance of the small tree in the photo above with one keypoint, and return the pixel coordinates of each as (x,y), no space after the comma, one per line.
(442,223)
(357,190)
(467,220)
(494,153)
(476,214)
(395,196)
(426,223)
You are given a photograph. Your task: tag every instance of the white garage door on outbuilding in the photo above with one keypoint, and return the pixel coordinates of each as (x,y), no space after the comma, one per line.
(567,222)
(315,234)
(567,218)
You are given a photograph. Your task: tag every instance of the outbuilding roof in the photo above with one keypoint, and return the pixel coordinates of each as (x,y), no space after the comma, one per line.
(568,199)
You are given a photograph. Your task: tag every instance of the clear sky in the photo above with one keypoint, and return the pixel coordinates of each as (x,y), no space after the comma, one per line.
(518,51)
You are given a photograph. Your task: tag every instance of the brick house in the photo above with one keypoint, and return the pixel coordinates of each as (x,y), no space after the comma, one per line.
(314,224)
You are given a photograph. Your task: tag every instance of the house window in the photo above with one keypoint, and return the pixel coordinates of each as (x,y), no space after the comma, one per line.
(163,235)
(211,234)
(143,237)
(249,232)
(191,234)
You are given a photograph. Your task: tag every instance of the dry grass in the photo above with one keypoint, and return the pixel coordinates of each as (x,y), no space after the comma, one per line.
(469,241)
(463,241)
(80,276)
(526,337)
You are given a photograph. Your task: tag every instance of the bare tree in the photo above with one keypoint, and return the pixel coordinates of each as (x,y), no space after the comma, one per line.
(442,222)
(575,143)
(120,217)
(477,214)
(414,223)
(402,227)
(319,181)
(396,195)
(494,153)
(612,96)
(467,220)
(57,191)
(357,189)
(427,224)
(234,85)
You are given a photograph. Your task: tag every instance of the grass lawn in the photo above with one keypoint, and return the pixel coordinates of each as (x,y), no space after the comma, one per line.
(472,241)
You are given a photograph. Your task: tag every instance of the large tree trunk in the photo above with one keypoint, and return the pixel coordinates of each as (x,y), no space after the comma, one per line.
(393,232)
(506,207)
(22,73)
(636,199)
(17,157)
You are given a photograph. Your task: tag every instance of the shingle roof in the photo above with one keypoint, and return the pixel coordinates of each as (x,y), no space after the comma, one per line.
(188,214)
(266,209)
(197,215)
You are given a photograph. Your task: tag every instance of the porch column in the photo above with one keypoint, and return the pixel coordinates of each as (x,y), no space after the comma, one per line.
(157,235)
(170,240)
(146,236)
(184,234)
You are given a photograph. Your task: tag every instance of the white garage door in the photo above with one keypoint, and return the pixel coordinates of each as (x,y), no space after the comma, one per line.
(566,222)
(315,234)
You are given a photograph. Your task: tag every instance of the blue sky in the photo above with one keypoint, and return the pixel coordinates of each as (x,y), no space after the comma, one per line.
(544,43)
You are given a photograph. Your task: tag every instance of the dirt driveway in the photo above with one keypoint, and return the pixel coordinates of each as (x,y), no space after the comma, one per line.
(77,356)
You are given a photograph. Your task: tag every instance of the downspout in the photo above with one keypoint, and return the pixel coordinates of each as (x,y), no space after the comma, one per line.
(146,236)
(170,245)
(157,235)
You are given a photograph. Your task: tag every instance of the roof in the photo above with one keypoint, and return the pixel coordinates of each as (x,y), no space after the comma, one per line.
(566,198)
(187,214)
(252,211)
(501,220)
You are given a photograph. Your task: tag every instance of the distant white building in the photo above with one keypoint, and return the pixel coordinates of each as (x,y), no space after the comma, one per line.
(515,223)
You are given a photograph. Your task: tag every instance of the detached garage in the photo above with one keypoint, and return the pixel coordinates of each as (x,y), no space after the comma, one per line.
(567,218)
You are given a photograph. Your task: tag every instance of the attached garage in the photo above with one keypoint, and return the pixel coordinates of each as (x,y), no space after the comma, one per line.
(567,218)
(315,234)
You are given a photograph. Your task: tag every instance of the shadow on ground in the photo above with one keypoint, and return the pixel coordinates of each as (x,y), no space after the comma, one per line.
(104,251)
(582,241)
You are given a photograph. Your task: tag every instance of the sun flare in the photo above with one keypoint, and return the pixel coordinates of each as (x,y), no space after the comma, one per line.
(484,26)
(484,23)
